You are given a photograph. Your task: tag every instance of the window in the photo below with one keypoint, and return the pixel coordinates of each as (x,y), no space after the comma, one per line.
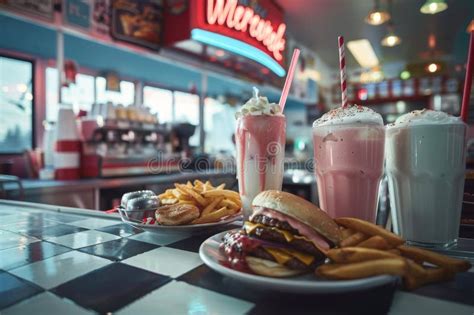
(16,105)
(126,96)
(186,109)
(80,95)
(160,102)
(219,125)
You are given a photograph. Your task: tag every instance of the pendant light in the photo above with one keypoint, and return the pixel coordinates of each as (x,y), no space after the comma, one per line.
(433,6)
(377,16)
(391,39)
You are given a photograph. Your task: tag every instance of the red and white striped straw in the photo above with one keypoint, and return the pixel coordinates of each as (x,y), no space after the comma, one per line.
(342,68)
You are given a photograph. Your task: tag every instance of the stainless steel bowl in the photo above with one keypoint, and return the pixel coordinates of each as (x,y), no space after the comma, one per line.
(134,194)
(140,207)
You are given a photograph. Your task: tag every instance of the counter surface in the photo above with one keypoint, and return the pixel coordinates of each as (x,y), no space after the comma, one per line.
(59,260)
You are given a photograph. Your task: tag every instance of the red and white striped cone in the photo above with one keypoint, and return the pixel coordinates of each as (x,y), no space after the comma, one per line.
(67,151)
(342,68)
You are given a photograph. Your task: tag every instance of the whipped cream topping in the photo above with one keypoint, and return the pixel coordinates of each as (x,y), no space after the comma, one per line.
(349,115)
(258,105)
(425,117)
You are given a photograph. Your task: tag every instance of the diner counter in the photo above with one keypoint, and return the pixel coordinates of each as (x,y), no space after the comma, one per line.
(96,193)
(58,260)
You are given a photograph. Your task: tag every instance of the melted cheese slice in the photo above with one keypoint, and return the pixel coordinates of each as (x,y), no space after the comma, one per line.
(282,255)
(250,226)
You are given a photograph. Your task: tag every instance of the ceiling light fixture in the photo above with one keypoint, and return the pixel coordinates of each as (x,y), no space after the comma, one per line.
(391,39)
(363,53)
(433,6)
(377,16)
(432,67)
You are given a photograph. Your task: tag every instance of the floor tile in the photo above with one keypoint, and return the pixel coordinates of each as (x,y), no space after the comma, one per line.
(18,256)
(182,298)
(117,250)
(83,239)
(57,270)
(167,261)
(121,229)
(51,231)
(46,303)
(157,239)
(94,223)
(13,290)
(111,288)
(408,303)
(9,239)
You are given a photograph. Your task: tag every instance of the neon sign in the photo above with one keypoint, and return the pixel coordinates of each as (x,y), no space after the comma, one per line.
(254,29)
(244,19)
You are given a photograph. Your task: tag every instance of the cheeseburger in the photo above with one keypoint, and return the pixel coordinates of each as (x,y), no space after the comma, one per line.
(285,236)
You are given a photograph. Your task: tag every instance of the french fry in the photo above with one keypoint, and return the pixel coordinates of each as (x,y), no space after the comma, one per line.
(451,264)
(176,193)
(391,266)
(169,201)
(211,206)
(394,251)
(354,239)
(345,233)
(376,241)
(189,184)
(189,191)
(357,254)
(220,187)
(417,276)
(213,216)
(198,183)
(226,193)
(370,229)
(229,204)
(188,202)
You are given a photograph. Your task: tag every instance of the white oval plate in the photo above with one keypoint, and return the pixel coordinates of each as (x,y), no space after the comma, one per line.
(183,229)
(213,257)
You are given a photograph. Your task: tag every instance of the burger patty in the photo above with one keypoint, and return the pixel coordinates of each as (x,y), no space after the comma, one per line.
(296,243)
(262,219)
(293,263)
(260,252)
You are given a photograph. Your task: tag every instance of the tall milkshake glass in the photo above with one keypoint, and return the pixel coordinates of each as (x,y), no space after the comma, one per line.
(260,139)
(425,153)
(349,156)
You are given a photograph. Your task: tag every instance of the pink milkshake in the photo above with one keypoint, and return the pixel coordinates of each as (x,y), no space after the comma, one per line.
(260,140)
(349,156)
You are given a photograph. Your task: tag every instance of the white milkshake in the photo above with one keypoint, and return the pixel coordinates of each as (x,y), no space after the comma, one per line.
(425,162)
(260,140)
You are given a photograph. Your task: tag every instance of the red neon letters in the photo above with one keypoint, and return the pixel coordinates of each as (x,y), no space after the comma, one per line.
(242,19)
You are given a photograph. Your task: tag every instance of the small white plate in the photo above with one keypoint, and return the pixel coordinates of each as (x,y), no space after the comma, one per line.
(213,257)
(183,229)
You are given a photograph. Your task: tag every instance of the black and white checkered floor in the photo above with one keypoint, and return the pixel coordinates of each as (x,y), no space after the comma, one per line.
(56,263)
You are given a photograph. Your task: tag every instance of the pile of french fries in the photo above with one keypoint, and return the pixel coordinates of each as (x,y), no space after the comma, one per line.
(368,250)
(214,202)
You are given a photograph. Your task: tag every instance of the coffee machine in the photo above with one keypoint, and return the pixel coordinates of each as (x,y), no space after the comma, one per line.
(119,147)
(180,134)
